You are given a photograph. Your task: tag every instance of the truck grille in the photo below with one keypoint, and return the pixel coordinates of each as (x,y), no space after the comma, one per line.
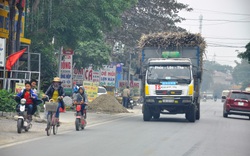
(168,92)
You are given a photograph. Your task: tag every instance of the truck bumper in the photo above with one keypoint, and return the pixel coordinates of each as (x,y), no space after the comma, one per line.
(173,104)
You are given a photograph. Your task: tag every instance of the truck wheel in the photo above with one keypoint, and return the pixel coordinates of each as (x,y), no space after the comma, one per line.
(198,112)
(191,114)
(146,113)
(156,115)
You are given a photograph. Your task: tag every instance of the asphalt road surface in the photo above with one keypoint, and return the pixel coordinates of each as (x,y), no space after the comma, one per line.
(172,135)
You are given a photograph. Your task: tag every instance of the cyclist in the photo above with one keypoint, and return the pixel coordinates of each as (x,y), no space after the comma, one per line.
(54,92)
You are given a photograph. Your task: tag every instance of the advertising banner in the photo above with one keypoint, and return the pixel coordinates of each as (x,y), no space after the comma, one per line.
(91,89)
(2,52)
(108,74)
(66,73)
(134,85)
(19,87)
(91,75)
(78,76)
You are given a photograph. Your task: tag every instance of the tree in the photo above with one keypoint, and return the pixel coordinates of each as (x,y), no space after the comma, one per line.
(12,14)
(72,24)
(94,53)
(20,6)
(246,54)
(146,16)
(207,78)
(241,73)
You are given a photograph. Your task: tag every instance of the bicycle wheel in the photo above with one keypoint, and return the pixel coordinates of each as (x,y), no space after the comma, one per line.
(54,124)
(55,128)
(48,129)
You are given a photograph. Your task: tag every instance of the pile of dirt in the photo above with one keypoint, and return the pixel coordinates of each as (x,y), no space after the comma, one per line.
(107,104)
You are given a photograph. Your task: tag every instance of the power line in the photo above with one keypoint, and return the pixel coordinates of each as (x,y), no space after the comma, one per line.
(234,43)
(226,38)
(221,45)
(216,20)
(231,13)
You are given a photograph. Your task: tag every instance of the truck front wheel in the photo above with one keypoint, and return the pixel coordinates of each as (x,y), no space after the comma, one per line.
(146,113)
(191,113)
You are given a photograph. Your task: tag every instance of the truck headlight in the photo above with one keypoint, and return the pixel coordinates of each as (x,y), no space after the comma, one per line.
(191,89)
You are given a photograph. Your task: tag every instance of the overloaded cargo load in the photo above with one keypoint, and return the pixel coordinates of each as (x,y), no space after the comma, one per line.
(170,69)
(172,45)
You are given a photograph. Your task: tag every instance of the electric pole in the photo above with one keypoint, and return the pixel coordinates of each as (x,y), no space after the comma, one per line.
(200,27)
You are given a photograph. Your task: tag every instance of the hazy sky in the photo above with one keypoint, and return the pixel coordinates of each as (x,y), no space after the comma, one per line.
(226,23)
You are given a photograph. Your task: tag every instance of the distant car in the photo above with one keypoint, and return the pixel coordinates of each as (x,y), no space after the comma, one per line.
(101,90)
(238,103)
(224,95)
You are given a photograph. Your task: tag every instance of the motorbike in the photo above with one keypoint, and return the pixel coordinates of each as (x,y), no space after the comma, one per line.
(204,99)
(131,103)
(23,122)
(80,121)
(215,99)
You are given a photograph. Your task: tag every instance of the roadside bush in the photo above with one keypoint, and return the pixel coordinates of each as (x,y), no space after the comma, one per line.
(7,102)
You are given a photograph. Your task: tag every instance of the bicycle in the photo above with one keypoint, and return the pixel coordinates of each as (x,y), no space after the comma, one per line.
(52,121)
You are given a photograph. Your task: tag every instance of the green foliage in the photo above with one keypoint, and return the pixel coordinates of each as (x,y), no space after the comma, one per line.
(146,16)
(246,54)
(94,53)
(241,73)
(7,102)
(70,23)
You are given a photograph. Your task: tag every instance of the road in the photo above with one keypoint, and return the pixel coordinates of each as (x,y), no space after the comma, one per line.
(212,135)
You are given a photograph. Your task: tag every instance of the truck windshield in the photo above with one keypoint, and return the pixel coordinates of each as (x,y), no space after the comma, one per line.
(158,74)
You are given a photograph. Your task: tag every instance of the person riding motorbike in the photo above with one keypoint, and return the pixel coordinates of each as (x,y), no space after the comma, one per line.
(30,97)
(81,97)
(54,92)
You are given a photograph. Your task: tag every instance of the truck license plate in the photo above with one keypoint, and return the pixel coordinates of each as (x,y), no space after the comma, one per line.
(167,101)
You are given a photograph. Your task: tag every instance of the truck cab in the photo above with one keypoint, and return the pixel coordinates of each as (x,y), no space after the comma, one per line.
(169,85)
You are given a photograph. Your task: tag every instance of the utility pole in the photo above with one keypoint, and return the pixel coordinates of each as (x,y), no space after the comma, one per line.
(200,27)
(214,58)
(60,60)
(129,69)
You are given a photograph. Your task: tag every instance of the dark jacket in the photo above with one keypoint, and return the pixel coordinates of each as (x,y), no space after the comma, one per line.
(80,97)
(51,90)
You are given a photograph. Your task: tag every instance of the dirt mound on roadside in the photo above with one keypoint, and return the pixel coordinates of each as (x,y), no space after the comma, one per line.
(106,104)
